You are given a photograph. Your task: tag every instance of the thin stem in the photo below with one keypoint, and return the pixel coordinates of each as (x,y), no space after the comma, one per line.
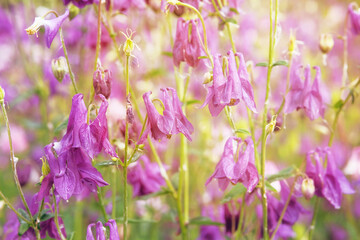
(264,123)
(101,203)
(313,221)
(241,218)
(12,160)
(78,216)
(57,219)
(126,147)
(114,187)
(67,61)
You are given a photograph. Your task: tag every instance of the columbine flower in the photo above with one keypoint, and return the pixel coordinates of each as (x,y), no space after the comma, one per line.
(145,177)
(70,172)
(231,219)
(304,96)
(187,47)
(354,15)
(330,183)
(172,120)
(79,3)
(51,26)
(100,231)
(236,166)
(230,90)
(93,137)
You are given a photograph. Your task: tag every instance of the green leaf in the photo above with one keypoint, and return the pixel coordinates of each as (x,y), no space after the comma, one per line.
(61,126)
(268,186)
(339,104)
(24,214)
(71,237)
(280,63)
(283,174)
(190,102)
(234,10)
(262,64)
(204,221)
(46,216)
(236,191)
(23,228)
(243,131)
(105,163)
(231,20)
(169,54)
(163,191)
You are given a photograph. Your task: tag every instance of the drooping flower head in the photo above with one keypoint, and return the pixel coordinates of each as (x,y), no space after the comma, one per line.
(354,17)
(171,121)
(51,26)
(230,89)
(302,95)
(145,177)
(187,45)
(237,165)
(101,231)
(330,183)
(102,81)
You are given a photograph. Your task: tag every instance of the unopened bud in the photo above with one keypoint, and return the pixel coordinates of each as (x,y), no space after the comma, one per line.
(59,68)
(292,43)
(270,127)
(73,11)
(2,94)
(129,111)
(102,82)
(326,43)
(308,188)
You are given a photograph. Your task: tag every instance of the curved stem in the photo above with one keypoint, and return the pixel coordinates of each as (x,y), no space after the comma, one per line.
(67,61)
(12,160)
(101,203)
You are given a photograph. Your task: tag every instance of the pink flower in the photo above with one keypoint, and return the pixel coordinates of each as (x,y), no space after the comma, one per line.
(354,16)
(304,96)
(234,168)
(230,90)
(172,121)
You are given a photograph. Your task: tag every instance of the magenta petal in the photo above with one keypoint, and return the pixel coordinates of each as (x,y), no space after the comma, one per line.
(114,235)
(65,184)
(180,41)
(52,27)
(193,47)
(332,191)
(100,233)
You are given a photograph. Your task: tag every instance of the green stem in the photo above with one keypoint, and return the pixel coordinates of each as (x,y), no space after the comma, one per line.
(113,196)
(7,202)
(68,62)
(241,218)
(126,146)
(57,219)
(101,203)
(264,122)
(12,160)
(78,226)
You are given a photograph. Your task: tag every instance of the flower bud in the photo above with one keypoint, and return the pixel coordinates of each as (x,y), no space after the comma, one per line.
(2,94)
(292,43)
(59,68)
(308,188)
(74,11)
(102,82)
(326,43)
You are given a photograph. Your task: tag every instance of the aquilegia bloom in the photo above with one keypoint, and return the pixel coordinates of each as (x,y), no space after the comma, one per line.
(51,27)
(229,90)
(100,231)
(304,96)
(232,170)
(145,177)
(330,183)
(187,47)
(79,3)
(354,17)
(172,121)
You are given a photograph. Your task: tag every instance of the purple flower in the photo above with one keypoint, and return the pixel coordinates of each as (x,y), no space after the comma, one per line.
(71,172)
(330,183)
(230,225)
(354,16)
(242,169)
(79,3)
(145,177)
(93,137)
(102,81)
(51,26)
(210,232)
(172,121)
(230,90)
(304,96)
(101,231)
(187,47)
